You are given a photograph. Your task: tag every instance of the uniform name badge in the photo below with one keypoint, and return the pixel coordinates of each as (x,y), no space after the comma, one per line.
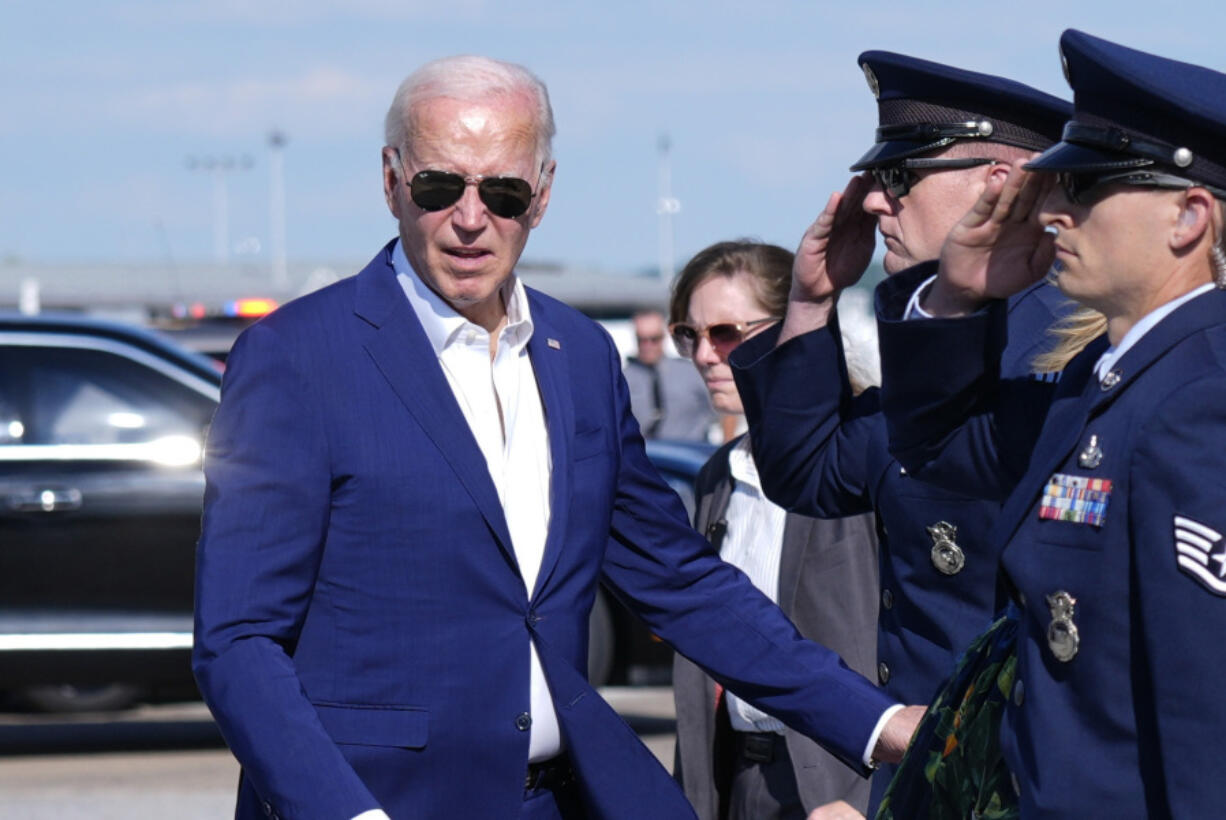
(1077,499)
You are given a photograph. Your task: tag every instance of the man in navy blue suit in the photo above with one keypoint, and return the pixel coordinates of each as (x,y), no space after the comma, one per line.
(416,479)
(943,132)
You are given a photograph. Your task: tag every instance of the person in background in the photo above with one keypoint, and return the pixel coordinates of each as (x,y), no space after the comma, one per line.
(667,398)
(733,760)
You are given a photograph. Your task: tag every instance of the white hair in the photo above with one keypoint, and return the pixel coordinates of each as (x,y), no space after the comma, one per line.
(470,79)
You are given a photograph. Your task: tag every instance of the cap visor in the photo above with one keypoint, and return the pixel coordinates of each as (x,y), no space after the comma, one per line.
(1068,156)
(885,153)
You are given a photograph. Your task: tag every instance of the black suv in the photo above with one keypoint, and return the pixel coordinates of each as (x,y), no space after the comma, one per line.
(101,432)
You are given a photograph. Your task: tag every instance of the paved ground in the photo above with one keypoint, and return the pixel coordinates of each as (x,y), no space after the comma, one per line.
(168,761)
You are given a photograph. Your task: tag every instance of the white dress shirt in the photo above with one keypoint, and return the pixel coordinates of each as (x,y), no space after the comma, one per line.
(753,543)
(1114,353)
(501,402)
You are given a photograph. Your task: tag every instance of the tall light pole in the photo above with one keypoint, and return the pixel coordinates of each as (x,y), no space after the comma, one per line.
(218,168)
(666,207)
(276,206)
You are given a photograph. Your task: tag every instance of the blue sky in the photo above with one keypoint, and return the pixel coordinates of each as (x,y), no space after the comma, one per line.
(104,102)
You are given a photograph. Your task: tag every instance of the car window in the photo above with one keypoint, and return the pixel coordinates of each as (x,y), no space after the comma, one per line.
(12,419)
(56,396)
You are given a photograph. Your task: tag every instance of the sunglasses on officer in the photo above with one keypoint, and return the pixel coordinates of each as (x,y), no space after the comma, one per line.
(897,178)
(507,197)
(724,336)
(1077,185)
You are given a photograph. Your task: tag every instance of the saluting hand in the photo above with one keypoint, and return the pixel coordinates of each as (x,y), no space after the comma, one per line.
(998,249)
(833,254)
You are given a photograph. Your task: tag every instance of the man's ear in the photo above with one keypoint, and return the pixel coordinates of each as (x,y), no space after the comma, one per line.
(391,179)
(1194,219)
(1001,168)
(541,201)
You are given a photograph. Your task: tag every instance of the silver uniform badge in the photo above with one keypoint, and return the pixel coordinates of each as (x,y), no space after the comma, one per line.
(1091,456)
(947,556)
(1062,636)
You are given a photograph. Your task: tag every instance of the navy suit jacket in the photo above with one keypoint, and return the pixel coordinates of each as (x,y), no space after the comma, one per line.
(362,628)
(1129,725)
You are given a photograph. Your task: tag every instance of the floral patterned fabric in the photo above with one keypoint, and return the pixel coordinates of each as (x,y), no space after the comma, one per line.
(953,768)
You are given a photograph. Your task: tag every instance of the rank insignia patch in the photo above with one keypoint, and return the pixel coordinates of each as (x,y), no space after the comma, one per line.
(1201,553)
(1077,499)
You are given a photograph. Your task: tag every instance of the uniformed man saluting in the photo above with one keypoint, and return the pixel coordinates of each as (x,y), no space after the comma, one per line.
(1114,535)
(944,133)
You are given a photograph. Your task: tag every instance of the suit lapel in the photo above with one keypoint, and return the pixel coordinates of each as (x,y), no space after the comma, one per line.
(797,532)
(717,502)
(549,353)
(404,356)
(1200,313)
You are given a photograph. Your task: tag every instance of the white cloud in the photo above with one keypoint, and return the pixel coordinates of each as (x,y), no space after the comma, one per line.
(332,100)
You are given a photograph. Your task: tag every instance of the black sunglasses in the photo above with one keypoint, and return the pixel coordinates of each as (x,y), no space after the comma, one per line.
(1077,185)
(507,197)
(898,178)
(724,336)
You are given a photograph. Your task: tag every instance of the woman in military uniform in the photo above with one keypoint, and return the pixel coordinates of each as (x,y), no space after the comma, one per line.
(1114,531)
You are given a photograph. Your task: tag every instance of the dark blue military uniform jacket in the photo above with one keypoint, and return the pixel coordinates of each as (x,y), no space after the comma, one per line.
(823,453)
(1112,537)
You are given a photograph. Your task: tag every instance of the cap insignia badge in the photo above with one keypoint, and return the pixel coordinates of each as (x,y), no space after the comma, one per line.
(873,85)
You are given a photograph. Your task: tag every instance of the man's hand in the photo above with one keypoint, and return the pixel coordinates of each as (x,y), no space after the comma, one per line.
(838,810)
(893,740)
(997,249)
(833,255)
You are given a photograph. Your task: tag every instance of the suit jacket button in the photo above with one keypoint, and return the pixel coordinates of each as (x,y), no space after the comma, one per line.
(523,721)
(883,673)
(887,599)
(533,619)
(267,807)
(1019,693)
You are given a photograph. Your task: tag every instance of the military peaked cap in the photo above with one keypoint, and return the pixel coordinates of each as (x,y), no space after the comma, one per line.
(1138,110)
(924,106)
